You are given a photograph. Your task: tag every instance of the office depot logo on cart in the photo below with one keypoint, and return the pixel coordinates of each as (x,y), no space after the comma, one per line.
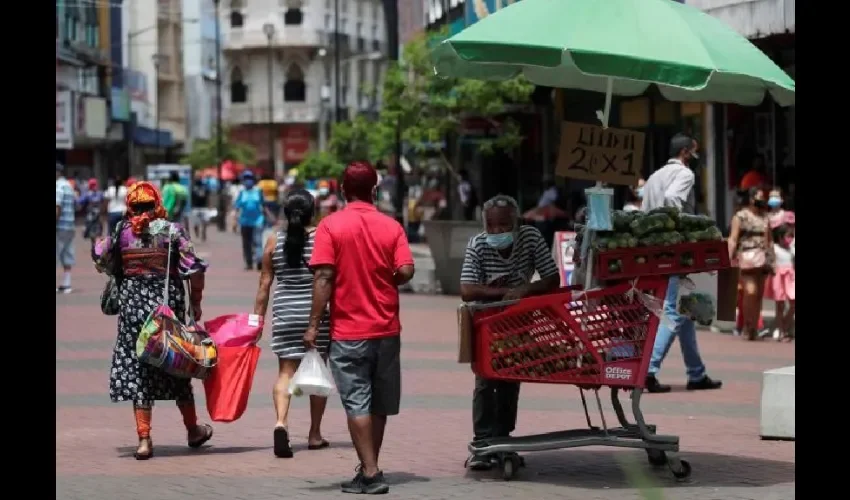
(618,374)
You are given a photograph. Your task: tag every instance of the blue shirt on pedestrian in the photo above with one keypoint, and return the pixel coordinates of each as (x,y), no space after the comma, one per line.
(250,206)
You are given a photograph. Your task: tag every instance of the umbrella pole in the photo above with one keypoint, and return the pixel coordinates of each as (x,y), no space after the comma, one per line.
(609,91)
(591,235)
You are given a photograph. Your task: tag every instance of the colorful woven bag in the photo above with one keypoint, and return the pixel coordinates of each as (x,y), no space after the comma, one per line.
(180,350)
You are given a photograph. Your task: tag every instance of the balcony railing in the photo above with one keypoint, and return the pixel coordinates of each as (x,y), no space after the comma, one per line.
(329,42)
(284,112)
(286,36)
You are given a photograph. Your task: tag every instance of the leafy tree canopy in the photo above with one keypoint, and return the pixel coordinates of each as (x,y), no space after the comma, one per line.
(320,165)
(203,152)
(428,107)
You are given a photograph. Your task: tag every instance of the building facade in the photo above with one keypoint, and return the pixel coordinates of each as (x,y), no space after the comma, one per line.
(740,135)
(411,19)
(82,86)
(199,63)
(280,69)
(152,35)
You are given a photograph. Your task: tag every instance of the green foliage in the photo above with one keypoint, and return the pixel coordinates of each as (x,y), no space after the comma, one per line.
(429,107)
(360,139)
(319,165)
(203,153)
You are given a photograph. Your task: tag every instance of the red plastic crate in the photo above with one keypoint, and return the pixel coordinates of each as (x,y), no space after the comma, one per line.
(684,258)
(601,337)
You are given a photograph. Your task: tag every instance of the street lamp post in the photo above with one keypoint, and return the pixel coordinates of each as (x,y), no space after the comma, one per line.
(219,146)
(268,29)
(336,61)
(157,60)
(393,42)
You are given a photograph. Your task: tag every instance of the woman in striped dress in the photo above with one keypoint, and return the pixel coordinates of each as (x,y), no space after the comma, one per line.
(285,259)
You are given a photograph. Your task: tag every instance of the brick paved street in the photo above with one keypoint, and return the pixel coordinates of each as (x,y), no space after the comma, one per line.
(425,445)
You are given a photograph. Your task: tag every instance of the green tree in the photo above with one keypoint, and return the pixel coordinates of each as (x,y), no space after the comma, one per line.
(429,108)
(203,152)
(360,139)
(319,165)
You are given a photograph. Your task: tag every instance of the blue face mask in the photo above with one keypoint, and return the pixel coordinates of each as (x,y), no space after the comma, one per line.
(774,202)
(640,192)
(500,241)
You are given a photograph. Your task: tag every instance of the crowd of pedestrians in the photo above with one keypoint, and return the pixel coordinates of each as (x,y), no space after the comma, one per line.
(332,278)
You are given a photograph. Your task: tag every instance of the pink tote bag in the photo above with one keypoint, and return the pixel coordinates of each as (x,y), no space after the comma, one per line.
(235,330)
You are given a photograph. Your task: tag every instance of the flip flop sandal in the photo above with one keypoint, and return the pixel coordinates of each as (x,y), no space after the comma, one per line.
(201,441)
(282,449)
(324,444)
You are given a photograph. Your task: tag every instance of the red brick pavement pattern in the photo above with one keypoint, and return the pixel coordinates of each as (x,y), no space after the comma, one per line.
(424,449)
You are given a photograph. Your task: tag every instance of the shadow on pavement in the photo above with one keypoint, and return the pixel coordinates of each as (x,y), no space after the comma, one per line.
(392,478)
(182,451)
(603,469)
(335,445)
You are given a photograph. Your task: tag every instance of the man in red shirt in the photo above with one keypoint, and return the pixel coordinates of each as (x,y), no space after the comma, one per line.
(360,258)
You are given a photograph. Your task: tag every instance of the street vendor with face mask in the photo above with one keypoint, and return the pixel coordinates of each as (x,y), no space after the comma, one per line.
(499,265)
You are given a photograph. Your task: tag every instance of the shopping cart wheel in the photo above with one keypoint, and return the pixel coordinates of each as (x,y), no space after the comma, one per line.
(681,469)
(510,466)
(656,457)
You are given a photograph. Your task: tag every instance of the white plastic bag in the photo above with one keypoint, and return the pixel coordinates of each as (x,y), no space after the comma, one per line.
(313,377)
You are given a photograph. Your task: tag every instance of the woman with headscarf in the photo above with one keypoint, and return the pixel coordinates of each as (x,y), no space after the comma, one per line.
(143,244)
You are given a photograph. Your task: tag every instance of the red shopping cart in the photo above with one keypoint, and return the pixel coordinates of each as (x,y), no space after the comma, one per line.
(590,339)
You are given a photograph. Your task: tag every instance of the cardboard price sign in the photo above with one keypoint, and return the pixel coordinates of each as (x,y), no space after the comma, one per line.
(612,155)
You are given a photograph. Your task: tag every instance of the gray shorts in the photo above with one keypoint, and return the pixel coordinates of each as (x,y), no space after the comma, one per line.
(65,247)
(367,374)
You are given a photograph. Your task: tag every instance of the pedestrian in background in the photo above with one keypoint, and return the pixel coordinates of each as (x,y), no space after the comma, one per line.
(250,215)
(145,238)
(200,205)
(499,264)
(634,197)
(468,196)
(175,198)
(115,206)
(360,258)
(781,285)
(92,204)
(65,211)
(673,186)
(285,259)
(269,187)
(751,244)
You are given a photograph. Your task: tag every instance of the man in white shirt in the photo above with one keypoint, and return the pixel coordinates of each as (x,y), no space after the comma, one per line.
(115,196)
(673,186)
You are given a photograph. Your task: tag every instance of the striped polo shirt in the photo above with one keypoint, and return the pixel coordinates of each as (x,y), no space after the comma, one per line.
(484,265)
(65,200)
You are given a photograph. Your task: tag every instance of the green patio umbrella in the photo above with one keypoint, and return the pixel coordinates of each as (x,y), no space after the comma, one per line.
(619,47)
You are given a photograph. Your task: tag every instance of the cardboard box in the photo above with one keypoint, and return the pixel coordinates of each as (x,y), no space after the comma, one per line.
(592,153)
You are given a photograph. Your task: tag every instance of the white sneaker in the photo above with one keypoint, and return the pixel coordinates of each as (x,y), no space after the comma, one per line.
(777,334)
(736,332)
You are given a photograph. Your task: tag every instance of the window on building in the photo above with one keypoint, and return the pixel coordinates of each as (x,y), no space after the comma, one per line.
(359,8)
(376,44)
(293,15)
(237,20)
(361,42)
(238,89)
(294,90)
